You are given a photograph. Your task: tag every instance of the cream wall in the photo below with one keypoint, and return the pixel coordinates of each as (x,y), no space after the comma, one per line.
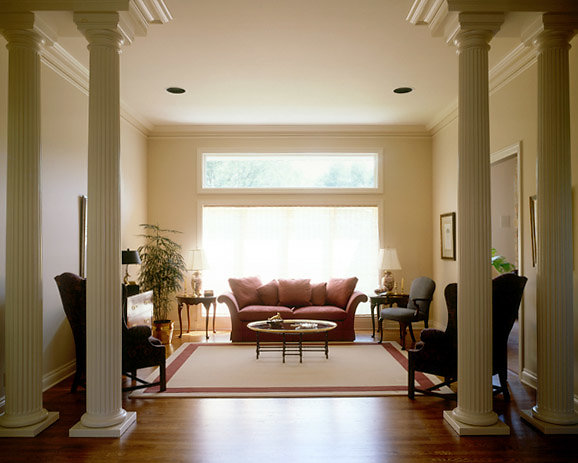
(64,138)
(175,202)
(513,119)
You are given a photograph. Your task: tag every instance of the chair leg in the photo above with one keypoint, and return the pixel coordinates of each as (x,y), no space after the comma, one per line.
(503,376)
(402,333)
(163,376)
(380,330)
(411,332)
(410,378)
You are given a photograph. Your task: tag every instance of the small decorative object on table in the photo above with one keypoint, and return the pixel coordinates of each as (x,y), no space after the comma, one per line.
(208,293)
(276,321)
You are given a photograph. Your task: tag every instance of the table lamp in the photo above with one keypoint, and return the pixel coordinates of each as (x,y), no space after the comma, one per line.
(388,261)
(129,257)
(198,264)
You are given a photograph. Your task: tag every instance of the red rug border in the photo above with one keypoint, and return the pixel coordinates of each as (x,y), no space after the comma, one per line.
(423,381)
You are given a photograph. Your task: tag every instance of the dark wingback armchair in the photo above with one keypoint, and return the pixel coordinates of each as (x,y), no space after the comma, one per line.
(420,297)
(436,352)
(139,348)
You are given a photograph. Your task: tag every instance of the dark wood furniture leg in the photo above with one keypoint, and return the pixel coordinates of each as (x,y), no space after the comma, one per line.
(180,307)
(372,306)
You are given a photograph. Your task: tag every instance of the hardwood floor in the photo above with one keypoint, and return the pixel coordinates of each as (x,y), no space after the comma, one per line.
(371,429)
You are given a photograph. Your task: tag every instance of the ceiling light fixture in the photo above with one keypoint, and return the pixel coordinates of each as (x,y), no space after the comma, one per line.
(176,90)
(401,90)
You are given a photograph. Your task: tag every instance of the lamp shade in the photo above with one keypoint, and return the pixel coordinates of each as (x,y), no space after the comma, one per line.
(388,259)
(130,257)
(198,260)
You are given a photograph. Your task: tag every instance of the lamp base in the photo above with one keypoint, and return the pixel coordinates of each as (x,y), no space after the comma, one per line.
(197,283)
(387,281)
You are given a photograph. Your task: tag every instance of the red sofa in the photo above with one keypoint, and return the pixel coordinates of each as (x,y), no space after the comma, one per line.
(250,300)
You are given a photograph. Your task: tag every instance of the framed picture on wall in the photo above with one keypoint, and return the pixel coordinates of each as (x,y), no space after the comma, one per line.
(83,236)
(448,235)
(533,230)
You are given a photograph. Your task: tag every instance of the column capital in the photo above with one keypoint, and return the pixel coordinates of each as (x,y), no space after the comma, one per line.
(475,29)
(101,28)
(25,29)
(551,30)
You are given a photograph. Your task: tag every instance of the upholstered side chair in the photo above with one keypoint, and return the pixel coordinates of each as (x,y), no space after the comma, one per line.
(437,352)
(139,348)
(420,297)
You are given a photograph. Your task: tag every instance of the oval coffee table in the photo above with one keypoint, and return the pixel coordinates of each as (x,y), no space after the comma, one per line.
(294,328)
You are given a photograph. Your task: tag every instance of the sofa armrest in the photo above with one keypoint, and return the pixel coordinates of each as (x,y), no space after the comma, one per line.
(229,299)
(355,299)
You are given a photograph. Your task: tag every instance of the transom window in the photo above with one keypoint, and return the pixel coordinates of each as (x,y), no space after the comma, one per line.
(322,171)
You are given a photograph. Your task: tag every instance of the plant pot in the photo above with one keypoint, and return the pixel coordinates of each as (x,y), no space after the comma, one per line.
(164,330)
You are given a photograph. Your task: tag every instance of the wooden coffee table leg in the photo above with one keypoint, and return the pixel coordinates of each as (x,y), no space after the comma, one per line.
(326,346)
(300,347)
(257,336)
(283,347)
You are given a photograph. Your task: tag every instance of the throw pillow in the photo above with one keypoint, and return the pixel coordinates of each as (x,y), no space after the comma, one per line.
(318,293)
(294,293)
(269,293)
(339,290)
(245,290)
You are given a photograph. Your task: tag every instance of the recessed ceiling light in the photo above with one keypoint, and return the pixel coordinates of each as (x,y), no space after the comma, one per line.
(402,90)
(176,90)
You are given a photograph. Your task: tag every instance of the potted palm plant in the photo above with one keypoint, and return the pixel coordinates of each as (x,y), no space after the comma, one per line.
(162,270)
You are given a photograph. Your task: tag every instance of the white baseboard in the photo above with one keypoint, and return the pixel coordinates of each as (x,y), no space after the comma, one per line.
(529,378)
(49,379)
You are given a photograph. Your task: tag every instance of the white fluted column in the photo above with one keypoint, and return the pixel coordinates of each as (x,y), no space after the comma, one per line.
(554,411)
(24,415)
(474,413)
(104,413)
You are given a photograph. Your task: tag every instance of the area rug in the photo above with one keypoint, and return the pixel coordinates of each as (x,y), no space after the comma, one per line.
(231,370)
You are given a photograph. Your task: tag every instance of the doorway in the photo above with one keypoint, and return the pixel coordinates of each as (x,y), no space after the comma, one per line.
(505,213)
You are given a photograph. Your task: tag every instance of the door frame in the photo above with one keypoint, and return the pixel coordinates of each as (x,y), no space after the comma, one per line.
(515,151)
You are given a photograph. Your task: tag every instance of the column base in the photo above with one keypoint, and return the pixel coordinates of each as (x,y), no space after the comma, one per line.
(32,430)
(117,430)
(462,429)
(548,428)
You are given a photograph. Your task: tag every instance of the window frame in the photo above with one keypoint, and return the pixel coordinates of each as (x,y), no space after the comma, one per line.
(202,152)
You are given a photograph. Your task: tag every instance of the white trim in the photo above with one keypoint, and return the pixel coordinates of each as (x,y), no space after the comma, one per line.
(50,379)
(515,150)
(289,131)
(509,68)
(529,378)
(291,191)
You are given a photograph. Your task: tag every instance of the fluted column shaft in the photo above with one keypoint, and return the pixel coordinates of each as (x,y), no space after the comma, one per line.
(23,330)
(555,402)
(474,225)
(103,289)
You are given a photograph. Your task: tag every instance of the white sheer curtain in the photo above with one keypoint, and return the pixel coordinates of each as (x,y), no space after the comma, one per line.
(291,242)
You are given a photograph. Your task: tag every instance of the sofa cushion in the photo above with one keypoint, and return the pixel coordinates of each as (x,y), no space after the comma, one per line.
(269,293)
(294,293)
(245,290)
(323,312)
(318,293)
(254,313)
(339,290)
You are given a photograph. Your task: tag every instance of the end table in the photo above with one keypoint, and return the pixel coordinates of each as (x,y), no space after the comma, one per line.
(207,302)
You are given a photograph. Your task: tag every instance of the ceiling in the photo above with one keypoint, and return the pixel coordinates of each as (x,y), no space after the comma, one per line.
(285,62)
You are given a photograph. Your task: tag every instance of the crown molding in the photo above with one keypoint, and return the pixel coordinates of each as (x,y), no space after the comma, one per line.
(511,66)
(288,131)
(72,71)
